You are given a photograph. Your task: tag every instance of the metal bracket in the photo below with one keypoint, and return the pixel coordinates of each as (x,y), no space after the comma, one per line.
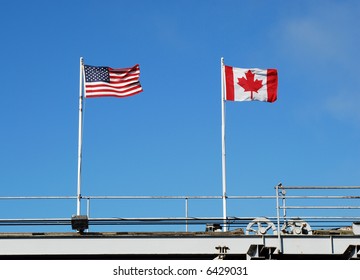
(258,251)
(223,250)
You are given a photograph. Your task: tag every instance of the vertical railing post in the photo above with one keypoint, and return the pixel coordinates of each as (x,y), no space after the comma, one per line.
(278,217)
(88,207)
(186,213)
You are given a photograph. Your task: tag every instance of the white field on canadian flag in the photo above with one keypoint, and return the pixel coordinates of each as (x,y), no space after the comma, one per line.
(239,91)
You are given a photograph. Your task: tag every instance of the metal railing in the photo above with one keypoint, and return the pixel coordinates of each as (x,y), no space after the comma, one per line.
(185,218)
(337,215)
(291,211)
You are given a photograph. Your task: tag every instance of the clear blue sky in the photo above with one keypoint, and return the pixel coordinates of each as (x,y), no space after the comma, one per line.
(167,140)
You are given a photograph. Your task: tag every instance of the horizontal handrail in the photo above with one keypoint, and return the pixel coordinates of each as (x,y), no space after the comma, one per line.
(35,197)
(320,207)
(188,219)
(318,187)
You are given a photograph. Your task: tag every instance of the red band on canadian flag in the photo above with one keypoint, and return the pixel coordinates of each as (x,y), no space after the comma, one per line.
(250,84)
(272,84)
(229,83)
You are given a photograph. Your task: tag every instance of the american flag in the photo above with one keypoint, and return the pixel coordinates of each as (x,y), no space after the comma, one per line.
(107,81)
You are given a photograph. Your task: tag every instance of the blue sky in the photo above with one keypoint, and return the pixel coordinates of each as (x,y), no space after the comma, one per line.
(167,140)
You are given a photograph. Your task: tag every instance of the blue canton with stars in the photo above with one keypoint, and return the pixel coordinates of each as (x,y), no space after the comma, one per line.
(96,74)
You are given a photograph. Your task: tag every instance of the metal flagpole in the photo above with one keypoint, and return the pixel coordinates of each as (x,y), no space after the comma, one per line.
(78,212)
(223,144)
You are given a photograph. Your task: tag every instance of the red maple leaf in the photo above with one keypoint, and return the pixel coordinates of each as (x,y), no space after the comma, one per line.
(249,84)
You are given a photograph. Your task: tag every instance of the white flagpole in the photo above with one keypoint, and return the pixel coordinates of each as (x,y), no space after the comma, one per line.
(223,144)
(78,212)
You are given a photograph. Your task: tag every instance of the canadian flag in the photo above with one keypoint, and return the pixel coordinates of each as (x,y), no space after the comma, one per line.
(250,84)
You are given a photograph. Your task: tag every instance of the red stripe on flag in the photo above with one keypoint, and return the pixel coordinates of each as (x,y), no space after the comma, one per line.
(229,83)
(272,84)
(113,94)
